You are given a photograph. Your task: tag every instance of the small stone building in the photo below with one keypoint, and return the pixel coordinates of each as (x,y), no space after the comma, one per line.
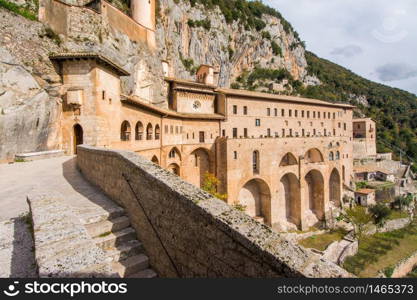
(365,197)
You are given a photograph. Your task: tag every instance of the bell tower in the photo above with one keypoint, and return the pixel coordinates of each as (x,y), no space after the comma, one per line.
(143,12)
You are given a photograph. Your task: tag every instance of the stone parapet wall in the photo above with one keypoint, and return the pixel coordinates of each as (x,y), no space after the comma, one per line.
(405,266)
(187,232)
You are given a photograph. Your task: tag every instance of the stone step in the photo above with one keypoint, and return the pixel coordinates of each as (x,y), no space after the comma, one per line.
(131,265)
(102,227)
(125,250)
(112,240)
(147,273)
(91,214)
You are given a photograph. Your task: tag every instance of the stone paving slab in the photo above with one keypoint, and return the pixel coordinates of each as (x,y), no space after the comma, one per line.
(16,250)
(63,246)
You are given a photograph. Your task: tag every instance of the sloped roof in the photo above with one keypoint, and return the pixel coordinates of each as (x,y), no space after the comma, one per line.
(251,94)
(365,191)
(91,55)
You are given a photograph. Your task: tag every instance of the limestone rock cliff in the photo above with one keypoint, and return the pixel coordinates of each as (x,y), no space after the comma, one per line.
(189,36)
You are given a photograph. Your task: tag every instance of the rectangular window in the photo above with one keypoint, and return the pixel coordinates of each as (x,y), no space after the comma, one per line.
(302,114)
(268,112)
(334,115)
(290,113)
(296,113)
(234,133)
(344,126)
(318,115)
(245,132)
(334,132)
(172,129)
(268,132)
(103,95)
(166,128)
(223,132)
(258,122)
(314,131)
(201,137)
(324,115)
(275,112)
(339,125)
(290,132)
(283,132)
(235,154)
(308,114)
(314,114)
(176,129)
(235,109)
(328,115)
(282,112)
(245,110)
(325,131)
(303,132)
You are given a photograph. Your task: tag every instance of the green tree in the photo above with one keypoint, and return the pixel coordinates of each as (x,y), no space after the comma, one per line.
(359,218)
(403,201)
(380,214)
(210,184)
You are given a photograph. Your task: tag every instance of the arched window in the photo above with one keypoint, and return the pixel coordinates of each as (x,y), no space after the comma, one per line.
(157,132)
(139,131)
(125,131)
(255,162)
(331,156)
(149,132)
(337,155)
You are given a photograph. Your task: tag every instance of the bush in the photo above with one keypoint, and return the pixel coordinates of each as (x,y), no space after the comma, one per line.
(380,213)
(20,10)
(276,49)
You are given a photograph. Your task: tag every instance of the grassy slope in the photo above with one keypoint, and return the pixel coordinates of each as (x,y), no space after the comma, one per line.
(383,250)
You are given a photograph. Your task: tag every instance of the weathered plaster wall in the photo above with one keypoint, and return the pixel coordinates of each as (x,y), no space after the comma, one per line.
(201,236)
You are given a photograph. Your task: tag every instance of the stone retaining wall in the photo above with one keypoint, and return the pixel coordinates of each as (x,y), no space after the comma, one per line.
(187,232)
(405,266)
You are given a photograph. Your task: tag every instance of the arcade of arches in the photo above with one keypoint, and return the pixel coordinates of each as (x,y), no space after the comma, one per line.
(301,199)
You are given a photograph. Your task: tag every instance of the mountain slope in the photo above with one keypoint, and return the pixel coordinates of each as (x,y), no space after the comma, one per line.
(394,110)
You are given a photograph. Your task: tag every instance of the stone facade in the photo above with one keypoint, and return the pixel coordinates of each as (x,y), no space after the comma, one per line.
(285,158)
(364,138)
(213,240)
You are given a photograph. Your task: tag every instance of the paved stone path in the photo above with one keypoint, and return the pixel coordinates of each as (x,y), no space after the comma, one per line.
(21,179)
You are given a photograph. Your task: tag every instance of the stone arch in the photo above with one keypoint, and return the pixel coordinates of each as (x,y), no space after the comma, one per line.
(200,165)
(288,160)
(313,156)
(157,132)
(155,160)
(335,188)
(78,136)
(315,195)
(290,192)
(125,131)
(149,131)
(139,131)
(256,196)
(174,153)
(174,169)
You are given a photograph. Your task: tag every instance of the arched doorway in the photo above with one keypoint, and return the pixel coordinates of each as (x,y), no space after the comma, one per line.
(315,194)
(288,160)
(174,169)
(290,192)
(78,136)
(313,156)
(335,188)
(155,160)
(256,197)
(199,166)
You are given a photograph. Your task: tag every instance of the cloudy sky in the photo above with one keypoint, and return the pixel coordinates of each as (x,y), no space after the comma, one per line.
(376,39)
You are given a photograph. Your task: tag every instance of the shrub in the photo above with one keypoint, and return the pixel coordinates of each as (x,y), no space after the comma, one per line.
(20,10)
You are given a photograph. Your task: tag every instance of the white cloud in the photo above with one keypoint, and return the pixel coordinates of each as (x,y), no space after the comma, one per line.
(347,51)
(395,71)
(385,30)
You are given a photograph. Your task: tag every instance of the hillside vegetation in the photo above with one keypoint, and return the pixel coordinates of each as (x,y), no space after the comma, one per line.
(394,110)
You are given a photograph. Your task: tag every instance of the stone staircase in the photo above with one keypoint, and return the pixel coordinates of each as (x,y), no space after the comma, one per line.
(113,234)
